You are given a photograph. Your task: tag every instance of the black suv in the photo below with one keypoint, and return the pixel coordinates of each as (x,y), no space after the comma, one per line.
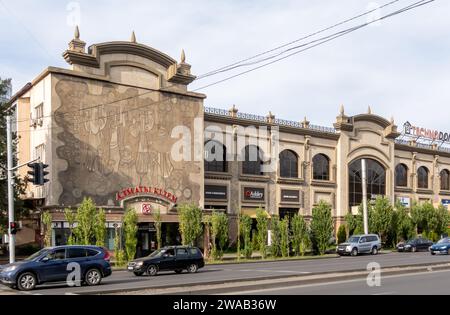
(176,258)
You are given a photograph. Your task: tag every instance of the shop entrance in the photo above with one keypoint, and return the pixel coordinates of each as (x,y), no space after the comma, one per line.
(147,241)
(288,212)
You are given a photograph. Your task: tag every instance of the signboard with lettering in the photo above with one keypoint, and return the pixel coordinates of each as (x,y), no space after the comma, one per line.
(446,203)
(410,130)
(143,190)
(254,194)
(214,192)
(290,196)
(405,201)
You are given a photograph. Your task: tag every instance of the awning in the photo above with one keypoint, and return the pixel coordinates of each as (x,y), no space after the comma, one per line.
(252,213)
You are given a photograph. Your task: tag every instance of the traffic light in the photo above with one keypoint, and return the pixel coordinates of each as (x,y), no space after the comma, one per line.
(13,227)
(42,173)
(33,173)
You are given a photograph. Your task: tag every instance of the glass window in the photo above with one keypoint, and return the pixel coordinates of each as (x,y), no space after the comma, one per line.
(422,177)
(182,252)
(445,180)
(321,167)
(170,252)
(194,251)
(401,175)
(76,252)
(58,254)
(252,164)
(92,252)
(288,164)
(376,181)
(215,157)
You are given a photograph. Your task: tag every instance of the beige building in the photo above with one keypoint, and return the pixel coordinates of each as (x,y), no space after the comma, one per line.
(111,125)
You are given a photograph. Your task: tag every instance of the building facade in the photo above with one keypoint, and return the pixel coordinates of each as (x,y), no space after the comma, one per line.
(120,126)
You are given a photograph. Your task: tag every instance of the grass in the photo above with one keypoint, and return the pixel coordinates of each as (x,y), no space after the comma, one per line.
(268,259)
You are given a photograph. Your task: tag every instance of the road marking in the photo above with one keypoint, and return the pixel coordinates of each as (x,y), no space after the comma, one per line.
(268,270)
(385,293)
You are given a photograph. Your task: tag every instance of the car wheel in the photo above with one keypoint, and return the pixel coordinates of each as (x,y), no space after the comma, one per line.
(375,251)
(354,252)
(152,270)
(138,274)
(433,253)
(26,281)
(179,271)
(413,249)
(192,268)
(93,277)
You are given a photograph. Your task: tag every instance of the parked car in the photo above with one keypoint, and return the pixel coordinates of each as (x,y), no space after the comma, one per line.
(52,265)
(359,244)
(441,247)
(414,245)
(173,258)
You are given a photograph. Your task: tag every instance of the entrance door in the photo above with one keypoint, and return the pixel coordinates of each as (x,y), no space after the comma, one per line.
(146,241)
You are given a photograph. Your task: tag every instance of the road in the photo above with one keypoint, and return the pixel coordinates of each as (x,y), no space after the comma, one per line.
(122,280)
(425,283)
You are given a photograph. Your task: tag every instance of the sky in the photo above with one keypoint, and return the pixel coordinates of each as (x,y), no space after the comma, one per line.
(399,66)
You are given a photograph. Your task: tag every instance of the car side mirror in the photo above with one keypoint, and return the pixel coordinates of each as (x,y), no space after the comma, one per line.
(361,241)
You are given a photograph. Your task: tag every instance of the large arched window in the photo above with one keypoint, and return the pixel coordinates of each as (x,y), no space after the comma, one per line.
(288,164)
(422,177)
(321,167)
(401,175)
(376,181)
(445,180)
(252,165)
(215,157)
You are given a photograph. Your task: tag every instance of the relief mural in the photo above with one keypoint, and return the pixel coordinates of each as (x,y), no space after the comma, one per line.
(124,142)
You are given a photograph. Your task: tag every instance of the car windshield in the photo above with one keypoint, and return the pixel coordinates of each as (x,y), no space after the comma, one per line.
(411,241)
(444,240)
(157,253)
(37,254)
(353,239)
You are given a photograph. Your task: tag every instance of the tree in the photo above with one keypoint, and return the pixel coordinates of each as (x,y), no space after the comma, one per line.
(276,237)
(47,223)
(130,228)
(70,217)
(342,234)
(19,184)
(284,241)
(118,250)
(405,226)
(321,226)
(238,238)
(157,216)
(261,225)
(246,231)
(300,235)
(219,233)
(439,222)
(85,230)
(190,217)
(421,215)
(382,218)
(100,228)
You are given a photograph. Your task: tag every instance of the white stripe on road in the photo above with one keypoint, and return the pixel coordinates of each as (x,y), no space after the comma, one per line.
(268,270)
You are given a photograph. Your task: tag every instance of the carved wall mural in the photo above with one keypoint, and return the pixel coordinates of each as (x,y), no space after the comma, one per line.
(124,142)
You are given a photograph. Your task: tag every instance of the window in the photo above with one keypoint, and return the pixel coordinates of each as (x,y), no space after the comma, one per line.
(215,157)
(195,251)
(252,164)
(182,252)
(401,175)
(445,180)
(58,254)
(76,252)
(39,111)
(92,252)
(288,164)
(321,167)
(376,181)
(170,252)
(422,177)
(39,152)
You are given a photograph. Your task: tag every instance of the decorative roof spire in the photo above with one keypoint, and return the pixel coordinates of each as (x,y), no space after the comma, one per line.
(392,120)
(76,44)
(183,56)
(369,111)
(133,37)
(77,33)
(341,110)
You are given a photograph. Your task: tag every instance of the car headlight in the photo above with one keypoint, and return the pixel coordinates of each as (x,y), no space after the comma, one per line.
(8,269)
(348,248)
(408,246)
(443,247)
(139,264)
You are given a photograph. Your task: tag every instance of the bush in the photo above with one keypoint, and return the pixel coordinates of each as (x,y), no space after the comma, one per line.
(219,234)
(300,235)
(342,234)
(245,229)
(130,230)
(190,223)
(262,227)
(321,227)
(284,240)
(275,248)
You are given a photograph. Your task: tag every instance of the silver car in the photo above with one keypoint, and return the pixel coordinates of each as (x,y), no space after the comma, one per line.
(360,244)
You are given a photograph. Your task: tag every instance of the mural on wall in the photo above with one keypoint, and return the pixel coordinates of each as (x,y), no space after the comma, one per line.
(114,139)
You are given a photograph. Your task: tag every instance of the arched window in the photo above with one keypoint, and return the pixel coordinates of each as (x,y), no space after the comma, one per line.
(422,177)
(215,157)
(376,181)
(401,175)
(445,180)
(288,164)
(321,167)
(252,165)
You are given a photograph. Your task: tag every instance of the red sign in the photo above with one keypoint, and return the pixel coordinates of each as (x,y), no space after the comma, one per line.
(140,190)
(146,208)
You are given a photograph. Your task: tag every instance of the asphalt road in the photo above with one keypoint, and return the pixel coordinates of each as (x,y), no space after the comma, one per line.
(425,283)
(123,280)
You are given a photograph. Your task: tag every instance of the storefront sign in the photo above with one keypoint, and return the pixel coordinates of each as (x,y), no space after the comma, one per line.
(146,208)
(425,133)
(446,203)
(253,194)
(216,192)
(290,196)
(405,201)
(140,190)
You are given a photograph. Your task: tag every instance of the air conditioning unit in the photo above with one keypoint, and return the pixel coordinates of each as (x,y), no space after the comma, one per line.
(40,122)
(33,122)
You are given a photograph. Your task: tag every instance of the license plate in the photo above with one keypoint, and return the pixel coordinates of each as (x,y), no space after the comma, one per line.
(130,268)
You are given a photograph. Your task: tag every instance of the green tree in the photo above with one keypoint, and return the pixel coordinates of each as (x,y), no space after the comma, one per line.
(284,233)
(276,237)
(262,225)
(238,238)
(158,224)
(246,232)
(118,250)
(219,233)
(190,217)
(130,228)
(439,222)
(342,234)
(321,226)
(422,215)
(405,226)
(70,217)
(382,220)
(100,228)
(300,235)
(47,223)
(85,230)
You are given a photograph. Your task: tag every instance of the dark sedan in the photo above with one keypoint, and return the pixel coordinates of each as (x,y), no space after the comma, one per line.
(441,247)
(174,258)
(414,245)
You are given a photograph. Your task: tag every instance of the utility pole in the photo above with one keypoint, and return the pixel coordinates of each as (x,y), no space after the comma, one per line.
(11,236)
(364,191)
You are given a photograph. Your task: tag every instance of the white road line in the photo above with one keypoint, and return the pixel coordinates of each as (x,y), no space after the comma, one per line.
(268,270)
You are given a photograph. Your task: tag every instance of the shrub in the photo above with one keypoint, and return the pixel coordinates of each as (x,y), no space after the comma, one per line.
(300,235)
(284,237)
(130,230)
(190,223)
(275,248)
(321,226)
(342,234)
(262,225)
(219,233)
(246,231)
